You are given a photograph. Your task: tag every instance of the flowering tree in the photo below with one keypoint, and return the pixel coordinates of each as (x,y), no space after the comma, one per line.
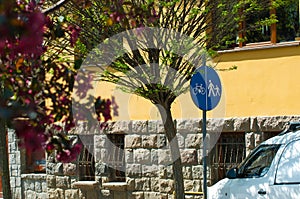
(35,86)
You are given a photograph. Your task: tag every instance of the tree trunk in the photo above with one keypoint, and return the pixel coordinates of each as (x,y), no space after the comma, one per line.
(4,165)
(170,132)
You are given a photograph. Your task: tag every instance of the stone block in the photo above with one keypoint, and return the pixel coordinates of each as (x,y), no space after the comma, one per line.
(160,127)
(189,156)
(44,187)
(139,126)
(142,184)
(166,186)
(200,154)
(193,141)
(56,194)
(197,172)
(18,193)
(152,127)
(270,123)
(38,186)
(154,184)
(100,140)
(13,182)
(12,147)
(164,156)
(169,171)
(142,156)
(257,138)
(97,154)
(161,141)
(154,156)
(241,124)
(162,171)
(249,140)
(31,185)
(50,167)
(12,158)
(149,141)
(187,172)
(18,181)
(41,196)
(62,182)
(104,155)
(151,195)
(14,172)
(128,155)
(150,170)
(133,141)
(122,127)
(72,194)
(58,169)
(197,185)
(188,126)
(18,157)
(30,194)
(51,181)
(188,185)
(70,169)
(228,125)
(215,125)
(133,170)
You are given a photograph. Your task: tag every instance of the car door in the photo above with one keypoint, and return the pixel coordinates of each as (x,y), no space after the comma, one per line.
(253,180)
(287,176)
(249,188)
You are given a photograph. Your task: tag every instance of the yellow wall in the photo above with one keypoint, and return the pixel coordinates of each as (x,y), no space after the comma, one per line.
(266,83)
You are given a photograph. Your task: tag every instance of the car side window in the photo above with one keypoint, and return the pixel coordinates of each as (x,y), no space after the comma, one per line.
(258,162)
(288,169)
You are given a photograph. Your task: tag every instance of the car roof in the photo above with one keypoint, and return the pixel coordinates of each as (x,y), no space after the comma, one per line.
(288,135)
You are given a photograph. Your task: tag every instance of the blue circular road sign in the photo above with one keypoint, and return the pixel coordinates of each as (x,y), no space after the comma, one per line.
(206,88)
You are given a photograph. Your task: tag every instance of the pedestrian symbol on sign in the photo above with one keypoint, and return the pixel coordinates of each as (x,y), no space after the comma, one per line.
(213,89)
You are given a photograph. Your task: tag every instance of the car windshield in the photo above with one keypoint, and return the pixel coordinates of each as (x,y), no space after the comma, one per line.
(258,162)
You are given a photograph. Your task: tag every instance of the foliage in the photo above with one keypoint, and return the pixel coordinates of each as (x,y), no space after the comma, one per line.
(36,81)
(253,19)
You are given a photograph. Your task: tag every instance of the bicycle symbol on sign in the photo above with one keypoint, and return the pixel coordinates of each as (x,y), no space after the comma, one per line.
(199,89)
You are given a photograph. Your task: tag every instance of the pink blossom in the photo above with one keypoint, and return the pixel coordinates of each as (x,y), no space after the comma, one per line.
(74,34)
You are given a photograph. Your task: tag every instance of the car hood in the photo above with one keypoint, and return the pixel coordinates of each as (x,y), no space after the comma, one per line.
(218,190)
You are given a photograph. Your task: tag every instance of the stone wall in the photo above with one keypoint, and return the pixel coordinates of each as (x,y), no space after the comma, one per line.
(147,157)
(15,164)
(148,160)
(34,186)
(60,180)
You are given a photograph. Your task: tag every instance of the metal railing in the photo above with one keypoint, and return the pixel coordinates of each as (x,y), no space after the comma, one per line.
(229,151)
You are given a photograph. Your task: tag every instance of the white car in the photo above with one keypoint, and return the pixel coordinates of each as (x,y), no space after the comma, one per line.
(271,171)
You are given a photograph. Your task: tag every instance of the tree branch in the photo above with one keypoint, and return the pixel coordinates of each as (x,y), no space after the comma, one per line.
(55,6)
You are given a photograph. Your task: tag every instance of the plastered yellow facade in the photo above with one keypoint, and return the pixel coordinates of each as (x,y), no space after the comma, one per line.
(265,83)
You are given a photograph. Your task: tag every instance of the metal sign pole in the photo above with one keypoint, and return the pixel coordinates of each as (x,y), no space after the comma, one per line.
(206,91)
(204,155)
